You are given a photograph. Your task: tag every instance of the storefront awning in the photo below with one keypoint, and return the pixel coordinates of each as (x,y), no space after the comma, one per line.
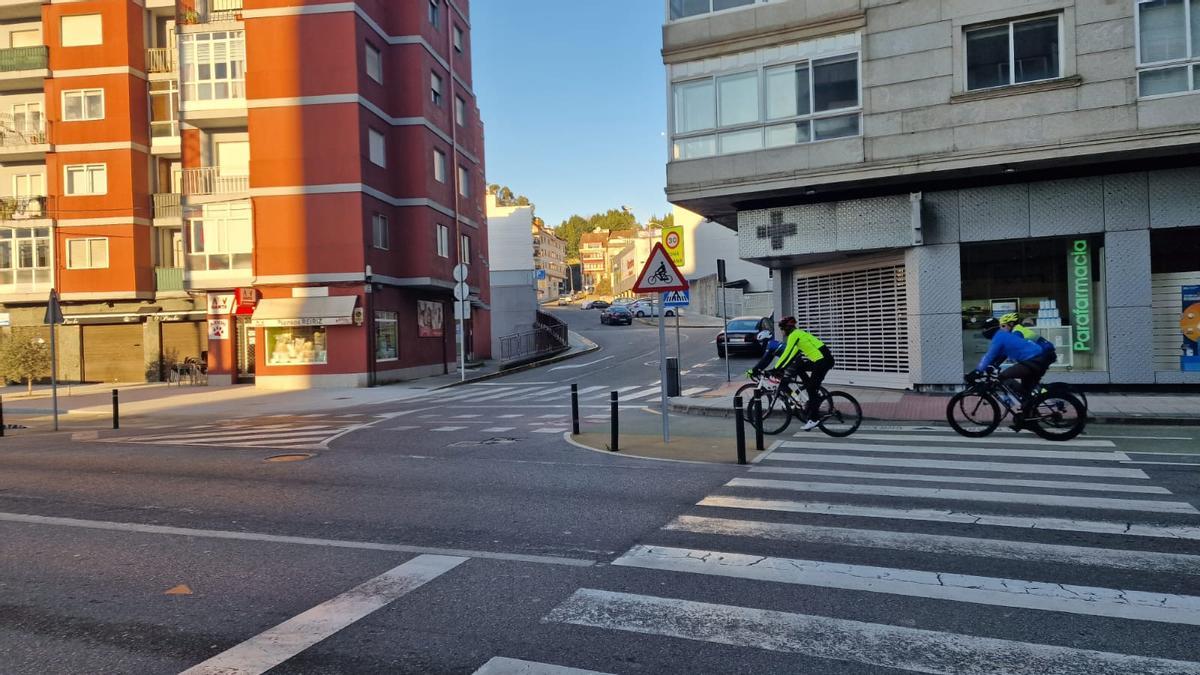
(327,311)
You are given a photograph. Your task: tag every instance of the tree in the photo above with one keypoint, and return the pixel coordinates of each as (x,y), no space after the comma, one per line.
(604,287)
(24,356)
(666,221)
(570,230)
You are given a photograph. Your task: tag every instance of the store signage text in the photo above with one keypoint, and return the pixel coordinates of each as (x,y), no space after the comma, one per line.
(302,321)
(1080,285)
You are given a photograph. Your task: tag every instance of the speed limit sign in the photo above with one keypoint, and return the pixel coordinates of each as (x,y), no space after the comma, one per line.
(672,240)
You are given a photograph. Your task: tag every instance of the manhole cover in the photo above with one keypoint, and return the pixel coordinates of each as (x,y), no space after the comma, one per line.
(292,457)
(488,441)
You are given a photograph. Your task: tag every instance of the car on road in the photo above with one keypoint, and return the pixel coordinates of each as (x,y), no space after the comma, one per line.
(597,304)
(641,308)
(743,333)
(616,315)
(564,301)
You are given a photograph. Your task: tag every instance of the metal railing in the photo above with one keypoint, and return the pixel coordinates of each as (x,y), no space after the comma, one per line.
(23,58)
(208,11)
(168,278)
(16,133)
(22,208)
(167,205)
(209,180)
(549,336)
(161,60)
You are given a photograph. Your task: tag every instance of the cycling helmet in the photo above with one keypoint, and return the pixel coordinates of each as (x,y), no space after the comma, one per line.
(763,336)
(990,327)
(787,322)
(1010,318)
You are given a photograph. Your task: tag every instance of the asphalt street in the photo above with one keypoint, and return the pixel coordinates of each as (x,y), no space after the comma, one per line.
(458,532)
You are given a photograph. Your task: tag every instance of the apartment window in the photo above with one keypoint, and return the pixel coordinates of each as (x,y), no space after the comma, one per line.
(86,179)
(443,241)
(26,185)
(1013,53)
(27,121)
(374,61)
(1168,46)
(439,166)
(464,249)
(25,258)
(813,100)
(460,111)
(25,38)
(435,12)
(81,30)
(164,108)
(87,254)
(464,181)
(387,336)
(83,104)
(377,148)
(681,9)
(458,39)
(214,65)
(435,88)
(379,231)
(221,239)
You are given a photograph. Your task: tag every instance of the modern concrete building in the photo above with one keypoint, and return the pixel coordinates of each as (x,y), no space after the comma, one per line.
(909,167)
(549,262)
(279,189)
(514,297)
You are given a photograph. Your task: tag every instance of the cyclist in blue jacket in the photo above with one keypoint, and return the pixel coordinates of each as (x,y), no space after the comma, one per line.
(1032,358)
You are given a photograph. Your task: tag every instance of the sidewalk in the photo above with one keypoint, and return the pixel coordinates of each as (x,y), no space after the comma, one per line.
(897,405)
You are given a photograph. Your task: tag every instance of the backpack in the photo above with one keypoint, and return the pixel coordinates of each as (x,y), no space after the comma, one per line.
(1047,348)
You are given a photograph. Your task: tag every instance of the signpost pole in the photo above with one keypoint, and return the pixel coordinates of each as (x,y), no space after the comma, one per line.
(678,342)
(54,317)
(662,366)
(724,312)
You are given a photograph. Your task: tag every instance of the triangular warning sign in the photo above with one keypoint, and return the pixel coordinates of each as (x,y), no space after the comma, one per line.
(660,274)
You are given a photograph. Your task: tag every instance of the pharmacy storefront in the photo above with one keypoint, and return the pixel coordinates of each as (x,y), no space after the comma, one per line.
(306,340)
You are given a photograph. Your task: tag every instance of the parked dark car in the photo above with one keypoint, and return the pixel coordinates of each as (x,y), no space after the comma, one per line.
(743,332)
(601,304)
(616,315)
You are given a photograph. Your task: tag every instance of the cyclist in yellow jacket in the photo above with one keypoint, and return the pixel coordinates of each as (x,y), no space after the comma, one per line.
(805,356)
(1013,320)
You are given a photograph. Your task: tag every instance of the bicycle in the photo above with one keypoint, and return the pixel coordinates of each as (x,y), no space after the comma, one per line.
(1052,413)
(840,414)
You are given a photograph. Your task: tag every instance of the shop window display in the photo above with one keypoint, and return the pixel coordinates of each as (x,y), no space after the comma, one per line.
(1056,285)
(301,345)
(1175,286)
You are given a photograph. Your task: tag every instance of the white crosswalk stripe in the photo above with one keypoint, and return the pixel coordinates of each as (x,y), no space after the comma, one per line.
(497,393)
(284,436)
(876,503)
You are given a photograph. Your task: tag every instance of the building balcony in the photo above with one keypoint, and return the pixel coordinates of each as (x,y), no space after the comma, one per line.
(168,279)
(161,60)
(198,12)
(22,208)
(167,205)
(212,180)
(16,59)
(21,141)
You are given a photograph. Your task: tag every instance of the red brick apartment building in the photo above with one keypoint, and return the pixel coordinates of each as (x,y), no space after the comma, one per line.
(280,188)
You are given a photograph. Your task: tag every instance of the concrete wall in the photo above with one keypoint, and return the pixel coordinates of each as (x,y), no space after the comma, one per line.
(510,238)
(514,304)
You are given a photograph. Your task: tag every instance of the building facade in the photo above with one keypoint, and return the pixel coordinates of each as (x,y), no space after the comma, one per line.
(280,190)
(549,262)
(514,297)
(908,168)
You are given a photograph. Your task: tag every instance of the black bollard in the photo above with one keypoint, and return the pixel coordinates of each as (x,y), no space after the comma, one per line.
(615,426)
(758,424)
(575,409)
(740,415)
(116,411)
(1,417)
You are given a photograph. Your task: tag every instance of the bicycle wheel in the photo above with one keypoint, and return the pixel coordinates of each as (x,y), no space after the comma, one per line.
(775,413)
(840,414)
(1064,389)
(1055,417)
(973,414)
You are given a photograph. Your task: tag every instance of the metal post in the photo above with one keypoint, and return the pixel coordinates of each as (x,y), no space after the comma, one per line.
(1,417)
(614,423)
(575,409)
(678,342)
(757,416)
(725,320)
(662,367)
(116,410)
(740,416)
(54,372)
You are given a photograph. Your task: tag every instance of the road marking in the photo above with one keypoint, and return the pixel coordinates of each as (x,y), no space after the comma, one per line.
(257,438)
(496,430)
(510,417)
(1146,438)
(501,666)
(491,394)
(553,416)
(402,428)
(642,394)
(962,517)
(970,480)
(581,365)
(880,645)
(1077,442)
(994,467)
(970,495)
(604,394)
(465,417)
(550,430)
(1039,595)
(234,433)
(284,539)
(1163,463)
(448,429)
(990,452)
(1149,561)
(276,645)
(693,391)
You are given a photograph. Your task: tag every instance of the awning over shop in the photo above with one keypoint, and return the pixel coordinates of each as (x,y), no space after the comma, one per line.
(335,310)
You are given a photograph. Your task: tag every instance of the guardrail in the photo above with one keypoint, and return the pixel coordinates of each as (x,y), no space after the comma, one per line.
(208,180)
(23,58)
(167,205)
(208,11)
(160,60)
(549,336)
(168,278)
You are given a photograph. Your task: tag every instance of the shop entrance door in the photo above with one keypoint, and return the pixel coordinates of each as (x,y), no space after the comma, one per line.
(246,337)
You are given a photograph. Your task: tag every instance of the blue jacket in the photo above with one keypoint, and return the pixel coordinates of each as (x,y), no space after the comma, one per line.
(1006,345)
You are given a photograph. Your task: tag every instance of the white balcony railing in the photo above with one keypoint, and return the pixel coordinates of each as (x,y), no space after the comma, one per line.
(17,132)
(211,180)
(161,60)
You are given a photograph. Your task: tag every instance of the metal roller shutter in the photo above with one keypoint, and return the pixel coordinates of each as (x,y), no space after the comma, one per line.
(184,339)
(113,353)
(862,315)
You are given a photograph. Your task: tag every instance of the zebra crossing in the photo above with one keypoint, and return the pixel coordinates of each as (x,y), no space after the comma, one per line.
(1008,533)
(286,432)
(543,393)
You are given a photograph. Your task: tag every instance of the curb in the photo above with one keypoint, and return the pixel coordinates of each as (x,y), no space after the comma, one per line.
(566,356)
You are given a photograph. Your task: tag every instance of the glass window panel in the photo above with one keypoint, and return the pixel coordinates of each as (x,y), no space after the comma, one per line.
(240,261)
(738,99)
(6,255)
(835,127)
(693,148)
(1165,81)
(787,91)
(1035,50)
(95,105)
(694,106)
(1163,30)
(99,252)
(1195,14)
(681,9)
(302,345)
(72,107)
(787,134)
(719,5)
(987,57)
(76,253)
(741,141)
(835,83)
(99,180)
(25,253)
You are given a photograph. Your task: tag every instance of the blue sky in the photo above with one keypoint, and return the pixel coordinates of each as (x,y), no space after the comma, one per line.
(573,102)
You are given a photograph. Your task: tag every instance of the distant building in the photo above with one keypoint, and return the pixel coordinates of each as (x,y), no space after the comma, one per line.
(511,270)
(549,262)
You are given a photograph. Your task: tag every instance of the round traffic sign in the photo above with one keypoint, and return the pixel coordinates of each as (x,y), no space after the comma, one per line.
(672,240)
(460,272)
(461,292)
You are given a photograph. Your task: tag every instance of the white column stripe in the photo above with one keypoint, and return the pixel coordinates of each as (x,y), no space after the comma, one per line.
(1149,561)
(1038,595)
(872,644)
(501,666)
(1189,532)
(970,495)
(969,480)
(996,467)
(1076,442)
(973,452)
(271,648)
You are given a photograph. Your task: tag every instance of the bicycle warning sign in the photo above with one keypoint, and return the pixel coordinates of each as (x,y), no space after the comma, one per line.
(660,274)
